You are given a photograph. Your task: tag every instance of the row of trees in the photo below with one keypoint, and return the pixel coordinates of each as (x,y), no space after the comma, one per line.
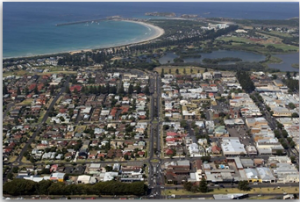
(46,187)
(245,81)
(189,186)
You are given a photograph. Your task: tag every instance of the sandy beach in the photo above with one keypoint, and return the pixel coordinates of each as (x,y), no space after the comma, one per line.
(158,32)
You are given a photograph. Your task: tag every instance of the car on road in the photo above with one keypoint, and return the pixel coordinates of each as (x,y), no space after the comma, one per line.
(222,186)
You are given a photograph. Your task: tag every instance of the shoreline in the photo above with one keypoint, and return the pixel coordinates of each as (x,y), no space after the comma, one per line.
(158,33)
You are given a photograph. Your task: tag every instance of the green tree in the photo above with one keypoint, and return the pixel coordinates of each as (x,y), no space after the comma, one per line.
(288,75)
(43,186)
(279,152)
(121,89)
(68,90)
(243,185)
(188,186)
(274,76)
(18,91)
(15,169)
(292,144)
(203,185)
(183,124)
(147,91)
(130,89)
(177,71)
(206,158)
(294,115)
(26,90)
(279,125)
(36,90)
(293,159)
(51,90)
(5,91)
(162,74)
(291,105)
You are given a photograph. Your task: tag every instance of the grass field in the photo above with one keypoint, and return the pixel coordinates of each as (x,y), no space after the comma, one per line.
(286,47)
(261,197)
(12,158)
(42,113)
(274,41)
(80,129)
(26,102)
(265,190)
(278,33)
(236,39)
(24,160)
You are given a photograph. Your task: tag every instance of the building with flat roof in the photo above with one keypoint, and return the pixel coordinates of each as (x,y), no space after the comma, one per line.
(231,146)
(252,174)
(286,173)
(85,179)
(265,174)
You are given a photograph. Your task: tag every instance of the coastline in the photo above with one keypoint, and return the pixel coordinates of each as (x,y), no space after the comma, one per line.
(158,32)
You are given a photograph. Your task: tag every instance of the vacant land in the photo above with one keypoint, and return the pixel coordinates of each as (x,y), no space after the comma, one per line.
(172,70)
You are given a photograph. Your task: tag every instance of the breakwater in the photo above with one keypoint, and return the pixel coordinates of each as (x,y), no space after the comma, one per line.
(90,21)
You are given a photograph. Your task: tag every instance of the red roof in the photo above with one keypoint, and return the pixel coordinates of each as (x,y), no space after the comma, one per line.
(142,117)
(114,111)
(62,110)
(170,139)
(40,86)
(169,152)
(77,87)
(46,76)
(215,149)
(32,86)
(124,109)
(171,134)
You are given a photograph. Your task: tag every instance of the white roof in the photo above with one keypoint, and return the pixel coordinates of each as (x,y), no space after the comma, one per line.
(84,178)
(232,145)
(95,165)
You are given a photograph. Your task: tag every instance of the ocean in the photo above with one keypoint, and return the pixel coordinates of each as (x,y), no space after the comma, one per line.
(29,27)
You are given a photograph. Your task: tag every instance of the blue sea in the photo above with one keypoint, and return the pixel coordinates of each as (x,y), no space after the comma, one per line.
(29,27)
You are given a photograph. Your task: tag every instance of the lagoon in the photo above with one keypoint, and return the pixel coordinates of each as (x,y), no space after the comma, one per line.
(245,56)
(287,61)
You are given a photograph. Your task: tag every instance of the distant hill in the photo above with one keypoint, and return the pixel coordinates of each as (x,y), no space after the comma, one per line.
(161,14)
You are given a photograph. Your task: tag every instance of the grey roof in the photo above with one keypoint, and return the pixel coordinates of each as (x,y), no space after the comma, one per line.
(183,163)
